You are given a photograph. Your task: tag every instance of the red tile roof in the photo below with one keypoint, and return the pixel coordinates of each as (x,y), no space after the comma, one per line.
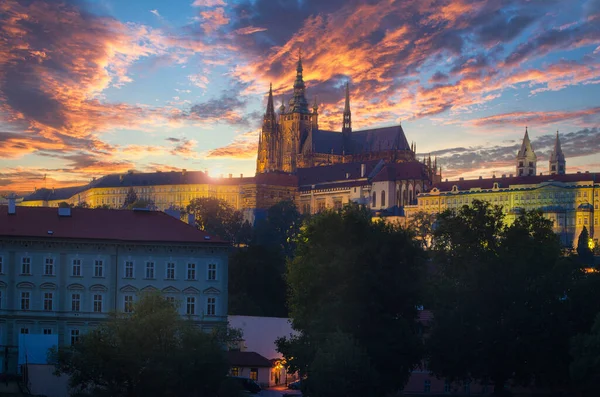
(504,182)
(247,359)
(100,224)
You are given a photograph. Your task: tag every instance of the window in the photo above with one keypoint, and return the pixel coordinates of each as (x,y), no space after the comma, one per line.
(149,269)
(128,269)
(25,331)
(427,386)
(49,267)
(75,302)
(128,304)
(383,198)
(211,306)
(0,299)
(170,271)
(170,299)
(235,371)
(254,374)
(191,271)
(446,387)
(47,331)
(1,265)
(97,303)
(98,268)
(212,271)
(467,388)
(191,305)
(48,301)
(25,297)
(74,336)
(26,266)
(76,268)
(374,203)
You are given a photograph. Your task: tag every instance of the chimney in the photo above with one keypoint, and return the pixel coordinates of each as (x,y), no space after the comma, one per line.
(230,176)
(12,205)
(183,172)
(241,175)
(363,170)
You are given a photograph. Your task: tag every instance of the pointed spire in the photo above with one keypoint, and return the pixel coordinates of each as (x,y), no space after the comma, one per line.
(299,104)
(315,105)
(526,158)
(282,107)
(347,118)
(270,107)
(557,158)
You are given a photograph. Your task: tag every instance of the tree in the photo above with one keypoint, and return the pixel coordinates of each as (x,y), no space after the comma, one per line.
(216,217)
(585,368)
(341,368)
(499,312)
(141,204)
(82,204)
(584,247)
(361,278)
(421,223)
(102,206)
(130,198)
(152,352)
(64,204)
(280,228)
(256,282)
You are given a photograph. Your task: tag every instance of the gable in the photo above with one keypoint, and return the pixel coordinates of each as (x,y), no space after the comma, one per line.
(170,290)
(211,290)
(25,284)
(48,286)
(98,288)
(128,288)
(149,288)
(191,290)
(75,287)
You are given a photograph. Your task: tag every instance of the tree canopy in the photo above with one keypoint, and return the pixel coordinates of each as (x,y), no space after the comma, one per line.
(216,216)
(151,352)
(499,307)
(585,368)
(584,249)
(360,278)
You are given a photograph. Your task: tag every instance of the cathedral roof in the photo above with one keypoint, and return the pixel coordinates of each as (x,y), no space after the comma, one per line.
(401,171)
(336,173)
(371,140)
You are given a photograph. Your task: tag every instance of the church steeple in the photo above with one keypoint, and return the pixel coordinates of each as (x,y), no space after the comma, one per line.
(347,123)
(557,159)
(298,103)
(270,107)
(526,158)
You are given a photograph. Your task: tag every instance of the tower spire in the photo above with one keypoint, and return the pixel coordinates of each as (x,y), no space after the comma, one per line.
(526,158)
(298,103)
(270,107)
(347,122)
(557,158)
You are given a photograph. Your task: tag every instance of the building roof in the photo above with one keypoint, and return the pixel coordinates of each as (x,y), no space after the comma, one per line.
(505,182)
(100,224)
(401,171)
(371,140)
(247,359)
(336,172)
(62,193)
(260,333)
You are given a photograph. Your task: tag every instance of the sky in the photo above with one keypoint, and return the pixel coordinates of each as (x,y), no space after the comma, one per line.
(89,88)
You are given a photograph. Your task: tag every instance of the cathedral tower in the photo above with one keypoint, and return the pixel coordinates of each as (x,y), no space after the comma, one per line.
(347,124)
(526,158)
(558,164)
(268,141)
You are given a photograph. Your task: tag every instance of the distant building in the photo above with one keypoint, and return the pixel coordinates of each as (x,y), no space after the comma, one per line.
(63,270)
(570,201)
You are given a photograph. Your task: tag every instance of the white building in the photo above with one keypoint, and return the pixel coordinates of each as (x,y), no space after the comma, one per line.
(63,270)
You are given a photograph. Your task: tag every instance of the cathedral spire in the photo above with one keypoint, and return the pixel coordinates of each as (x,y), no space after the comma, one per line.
(526,158)
(557,158)
(347,125)
(282,107)
(315,105)
(270,108)
(298,103)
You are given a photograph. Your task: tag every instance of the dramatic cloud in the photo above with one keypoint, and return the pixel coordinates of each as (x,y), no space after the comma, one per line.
(589,116)
(244,147)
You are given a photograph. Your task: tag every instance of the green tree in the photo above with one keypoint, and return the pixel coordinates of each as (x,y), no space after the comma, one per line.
(256,282)
(130,198)
(341,368)
(280,227)
(421,223)
(499,312)
(216,217)
(585,368)
(82,204)
(584,250)
(152,352)
(361,278)
(149,204)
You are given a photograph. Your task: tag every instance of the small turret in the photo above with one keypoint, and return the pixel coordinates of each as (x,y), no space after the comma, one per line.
(347,122)
(557,163)
(526,158)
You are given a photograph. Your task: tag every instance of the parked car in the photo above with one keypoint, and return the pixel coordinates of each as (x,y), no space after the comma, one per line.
(295,385)
(247,384)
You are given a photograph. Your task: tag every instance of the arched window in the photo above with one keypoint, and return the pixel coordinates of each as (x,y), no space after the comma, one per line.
(374,203)
(383,198)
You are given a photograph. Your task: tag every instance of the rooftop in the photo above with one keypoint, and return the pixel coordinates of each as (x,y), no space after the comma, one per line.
(247,359)
(100,224)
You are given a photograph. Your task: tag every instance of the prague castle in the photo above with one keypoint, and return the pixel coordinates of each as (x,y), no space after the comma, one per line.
(320,169)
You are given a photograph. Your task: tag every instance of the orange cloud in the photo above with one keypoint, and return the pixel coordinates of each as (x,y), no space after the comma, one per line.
(243,147)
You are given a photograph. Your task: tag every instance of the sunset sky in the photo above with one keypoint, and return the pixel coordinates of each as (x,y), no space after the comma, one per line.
(105,86)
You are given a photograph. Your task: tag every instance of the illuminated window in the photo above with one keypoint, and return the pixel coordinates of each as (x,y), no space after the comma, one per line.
(254,374)
(235,371)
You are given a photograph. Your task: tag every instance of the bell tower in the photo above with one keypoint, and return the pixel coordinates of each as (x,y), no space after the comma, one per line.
(268,141)
(558,164)
(526,158)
